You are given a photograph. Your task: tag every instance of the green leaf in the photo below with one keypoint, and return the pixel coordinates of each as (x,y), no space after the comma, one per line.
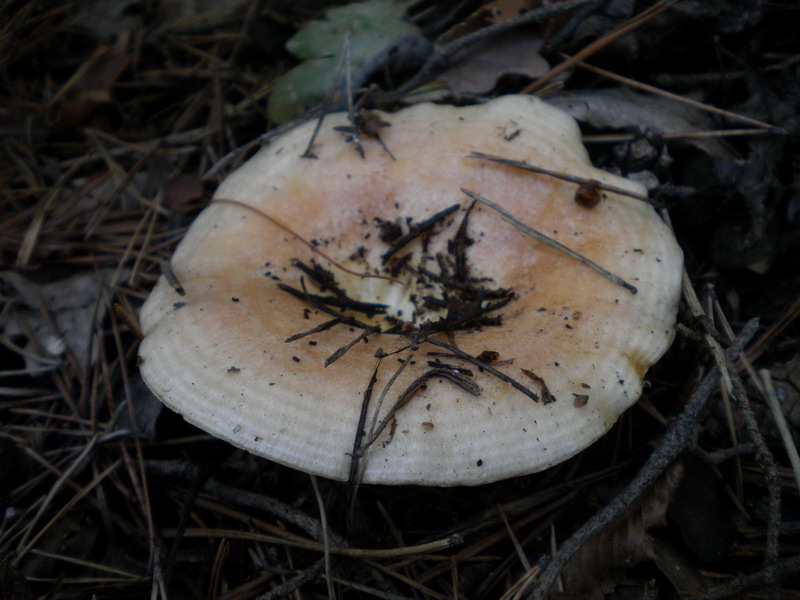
(299,89)
(377,26)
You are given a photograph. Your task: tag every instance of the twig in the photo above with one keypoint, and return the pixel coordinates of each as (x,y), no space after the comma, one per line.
(367,591)
(331,92)
(780,421)
(774,330)
(27,544)
(720,456)
(223,550)
(765,460)
(521,164)
(368,308)
(622,30)
(77,466)
(486,367)
(306,297)
(418,229)
(658,91)
(441,54)
(321,327)
(530,231)
(234,155)
(361,449)
(188,472)
(613,138)
(129,319)
(352,478)
(676,440)
(169,276)
(325,541)
(523,559)
(737,587)
(424,591)
(287,587)
(348,86)
(297,542)
(466,385)
(169,562)
(300,238)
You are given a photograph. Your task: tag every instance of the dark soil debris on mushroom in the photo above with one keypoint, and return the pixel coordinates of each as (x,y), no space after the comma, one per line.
(450,299)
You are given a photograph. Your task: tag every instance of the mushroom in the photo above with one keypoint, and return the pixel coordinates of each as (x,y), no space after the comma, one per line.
(362,318)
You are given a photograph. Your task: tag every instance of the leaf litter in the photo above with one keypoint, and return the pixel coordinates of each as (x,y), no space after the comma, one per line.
(164,91)
(59,318)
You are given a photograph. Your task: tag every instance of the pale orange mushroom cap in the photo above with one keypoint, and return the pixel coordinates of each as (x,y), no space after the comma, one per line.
(217,355)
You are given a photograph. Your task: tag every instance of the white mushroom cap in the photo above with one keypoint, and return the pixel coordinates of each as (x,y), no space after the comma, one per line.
(217,355)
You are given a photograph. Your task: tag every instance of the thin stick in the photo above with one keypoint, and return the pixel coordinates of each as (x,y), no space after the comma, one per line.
(486,367)
(353,479)
(527,230)
(27,544)
(677,440)
(129,320)
(633,23)
(169,275)
(441,54)
(306,297)
(223,491)
(339,550)
(613,138)
(302,240)
(521,164)
(368,308)
(783,427)
(321,327)
(348,88)
(658,91)
(418,229)
(343,350)
(76,466)
(514,540)
(404,398)
(325,540)
(376,412)
(736,588)
(331,92)
(764,458)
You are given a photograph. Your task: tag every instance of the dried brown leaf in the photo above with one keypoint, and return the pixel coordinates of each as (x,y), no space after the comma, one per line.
(621,109)
(602,562)
(478,70)
(60,316)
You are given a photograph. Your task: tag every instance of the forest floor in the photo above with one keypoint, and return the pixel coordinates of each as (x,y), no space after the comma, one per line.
(115,115)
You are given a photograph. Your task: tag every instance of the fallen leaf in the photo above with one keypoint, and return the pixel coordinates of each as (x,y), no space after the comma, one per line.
(478,69)
(379,32)
(61,316)
(698,509)
(624,110)
(603,561)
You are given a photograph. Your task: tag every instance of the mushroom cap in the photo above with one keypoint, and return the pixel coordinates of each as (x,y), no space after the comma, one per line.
(218,355)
